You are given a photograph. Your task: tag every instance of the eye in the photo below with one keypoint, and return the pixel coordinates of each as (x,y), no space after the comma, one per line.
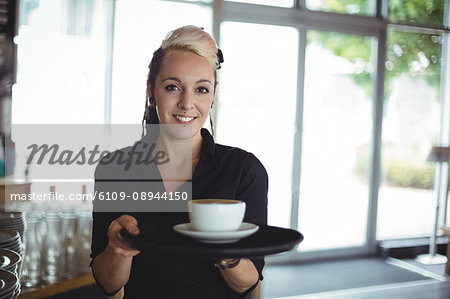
(202,90)
(172,87)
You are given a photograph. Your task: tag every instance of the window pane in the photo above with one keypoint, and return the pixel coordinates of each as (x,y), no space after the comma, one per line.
(353,7)
(337,131)
(406,203)
(256,104)
(281,3)
(61,62)
(417,11)
(141,25)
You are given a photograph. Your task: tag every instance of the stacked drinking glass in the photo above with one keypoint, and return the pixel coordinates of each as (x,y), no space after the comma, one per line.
(58,245)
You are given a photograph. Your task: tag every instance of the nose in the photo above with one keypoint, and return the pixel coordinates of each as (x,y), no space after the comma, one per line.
(186,101)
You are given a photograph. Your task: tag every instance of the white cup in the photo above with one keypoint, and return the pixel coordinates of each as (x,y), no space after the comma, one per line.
(214,215)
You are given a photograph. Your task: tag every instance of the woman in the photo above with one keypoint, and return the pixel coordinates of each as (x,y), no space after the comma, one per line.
(181,85)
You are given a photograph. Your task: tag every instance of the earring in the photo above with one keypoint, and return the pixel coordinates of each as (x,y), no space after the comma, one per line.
(151,101)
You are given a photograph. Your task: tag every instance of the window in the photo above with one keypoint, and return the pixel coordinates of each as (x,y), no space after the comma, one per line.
(337,131)
(139,29)
(353,7)
(282,3)
(257,103)
(411,126)
(61,62)
(417,12)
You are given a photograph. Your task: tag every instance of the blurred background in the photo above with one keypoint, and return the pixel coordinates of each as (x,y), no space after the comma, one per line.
(341,100)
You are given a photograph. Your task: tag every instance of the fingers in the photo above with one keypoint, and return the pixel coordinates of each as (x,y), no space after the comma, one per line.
(129,223)
(115,243)
(126,251)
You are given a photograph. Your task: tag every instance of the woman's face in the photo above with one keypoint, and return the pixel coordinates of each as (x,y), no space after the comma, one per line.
(184,90)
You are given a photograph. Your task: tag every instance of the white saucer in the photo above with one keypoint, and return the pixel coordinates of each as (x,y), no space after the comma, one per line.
(245,230)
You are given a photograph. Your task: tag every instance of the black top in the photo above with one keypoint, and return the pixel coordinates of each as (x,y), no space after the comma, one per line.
(222,172)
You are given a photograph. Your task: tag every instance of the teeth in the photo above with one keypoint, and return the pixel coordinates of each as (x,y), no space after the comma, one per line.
(186,119)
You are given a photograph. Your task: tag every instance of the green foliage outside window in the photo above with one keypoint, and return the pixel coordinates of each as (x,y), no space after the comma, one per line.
(429,12)
(397,173)
(407,53)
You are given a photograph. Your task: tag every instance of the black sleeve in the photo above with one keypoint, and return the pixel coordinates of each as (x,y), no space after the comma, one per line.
(252,190)
(101,222)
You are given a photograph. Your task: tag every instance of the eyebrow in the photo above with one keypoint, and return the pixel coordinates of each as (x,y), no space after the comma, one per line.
(178,80)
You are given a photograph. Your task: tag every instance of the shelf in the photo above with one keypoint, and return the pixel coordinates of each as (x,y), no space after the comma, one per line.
(58,288)
(9,186)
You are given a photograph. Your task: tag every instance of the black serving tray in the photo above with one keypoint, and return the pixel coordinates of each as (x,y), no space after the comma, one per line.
(266,241)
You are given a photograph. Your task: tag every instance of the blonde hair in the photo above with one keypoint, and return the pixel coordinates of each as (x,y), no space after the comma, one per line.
(193,39)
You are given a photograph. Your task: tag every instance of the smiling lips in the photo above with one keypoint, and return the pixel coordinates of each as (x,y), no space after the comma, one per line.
(185,120)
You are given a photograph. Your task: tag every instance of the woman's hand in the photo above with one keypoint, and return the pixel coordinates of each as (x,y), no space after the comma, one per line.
(112,267)
(117,245)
